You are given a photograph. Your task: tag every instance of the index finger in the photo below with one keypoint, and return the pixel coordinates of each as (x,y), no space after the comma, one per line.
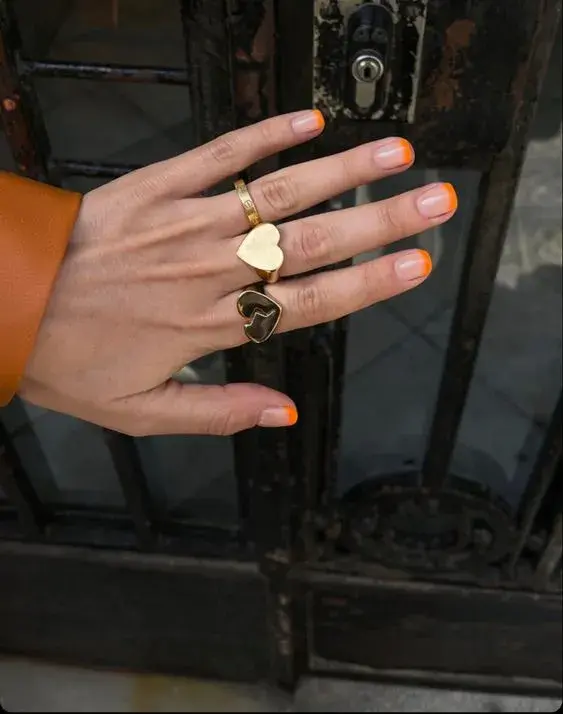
(207,165)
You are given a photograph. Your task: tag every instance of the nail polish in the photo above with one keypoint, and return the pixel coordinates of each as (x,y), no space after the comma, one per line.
(413,265)
(393,153)
(437,200)
(278,416)
(308,122)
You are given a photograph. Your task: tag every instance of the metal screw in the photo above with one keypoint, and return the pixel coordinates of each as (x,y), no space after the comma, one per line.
(367,68)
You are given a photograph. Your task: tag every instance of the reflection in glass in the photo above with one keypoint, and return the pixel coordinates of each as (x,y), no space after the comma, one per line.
(129,32)
(119,123)
(65,458)
(518,374)
(396,349)
(193,476)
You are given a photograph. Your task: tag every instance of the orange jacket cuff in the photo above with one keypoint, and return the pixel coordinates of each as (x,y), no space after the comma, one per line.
(36,223)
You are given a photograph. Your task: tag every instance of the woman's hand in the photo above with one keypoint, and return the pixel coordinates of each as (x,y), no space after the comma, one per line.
(151,278)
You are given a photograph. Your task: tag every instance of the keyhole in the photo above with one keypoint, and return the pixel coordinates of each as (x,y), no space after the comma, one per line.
(367,68)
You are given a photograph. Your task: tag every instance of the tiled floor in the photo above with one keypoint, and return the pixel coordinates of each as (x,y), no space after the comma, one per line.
(395,353)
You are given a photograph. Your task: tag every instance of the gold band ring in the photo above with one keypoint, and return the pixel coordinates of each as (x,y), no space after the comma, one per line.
(262,313)
(247,203)
(260,248)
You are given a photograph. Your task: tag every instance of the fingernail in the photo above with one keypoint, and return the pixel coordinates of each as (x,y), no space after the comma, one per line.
(308,122)
(437,200)
(393,153)
(413,265)
(278,416)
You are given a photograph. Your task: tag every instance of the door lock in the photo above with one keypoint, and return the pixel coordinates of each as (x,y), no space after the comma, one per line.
(370,40)
(367,58)
(367,69)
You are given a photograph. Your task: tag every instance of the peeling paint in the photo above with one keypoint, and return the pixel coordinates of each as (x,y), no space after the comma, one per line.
(445,80)
(329,62)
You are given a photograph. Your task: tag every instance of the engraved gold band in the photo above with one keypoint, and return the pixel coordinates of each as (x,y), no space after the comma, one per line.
(247,203)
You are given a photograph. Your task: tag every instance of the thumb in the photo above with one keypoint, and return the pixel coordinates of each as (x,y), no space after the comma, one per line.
(176,408)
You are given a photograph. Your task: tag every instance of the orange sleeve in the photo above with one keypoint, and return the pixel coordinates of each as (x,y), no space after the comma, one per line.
(36,223)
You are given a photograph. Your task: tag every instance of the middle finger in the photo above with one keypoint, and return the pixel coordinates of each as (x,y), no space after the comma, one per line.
(298,188)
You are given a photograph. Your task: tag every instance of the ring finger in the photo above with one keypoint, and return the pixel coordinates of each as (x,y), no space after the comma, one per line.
(327,296)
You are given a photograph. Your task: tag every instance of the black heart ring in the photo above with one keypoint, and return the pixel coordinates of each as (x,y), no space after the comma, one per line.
(261,312)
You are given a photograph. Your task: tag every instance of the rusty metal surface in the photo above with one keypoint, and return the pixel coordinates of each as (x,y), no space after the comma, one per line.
(329,63)
(468,91)
(21,123)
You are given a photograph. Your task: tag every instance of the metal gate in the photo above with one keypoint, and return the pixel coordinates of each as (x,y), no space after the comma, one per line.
(419,573)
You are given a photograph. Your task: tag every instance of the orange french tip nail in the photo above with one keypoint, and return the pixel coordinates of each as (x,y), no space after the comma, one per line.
(453,200)
(427,260)
(408,151)
(320,119)
(292,415)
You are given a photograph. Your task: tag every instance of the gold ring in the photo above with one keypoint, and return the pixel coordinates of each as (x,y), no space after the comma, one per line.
(260,248)
(262,313)
(247,203)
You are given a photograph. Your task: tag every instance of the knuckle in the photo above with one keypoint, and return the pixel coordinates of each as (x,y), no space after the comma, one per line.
(222,424)
(388,218)
(279,194)
(223,150)
(268,133)
(364,293)
(348,168)
(309,304)
(310,243)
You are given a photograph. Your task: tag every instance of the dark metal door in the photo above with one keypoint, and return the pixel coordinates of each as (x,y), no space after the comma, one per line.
(418,569)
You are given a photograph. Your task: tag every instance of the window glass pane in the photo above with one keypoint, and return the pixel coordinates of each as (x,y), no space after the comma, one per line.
(394,360)
(131,32)
(193,476)
(66,459)
(518,373)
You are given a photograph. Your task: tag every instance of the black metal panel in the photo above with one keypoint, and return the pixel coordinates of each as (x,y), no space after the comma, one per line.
(436,628)
(150,613)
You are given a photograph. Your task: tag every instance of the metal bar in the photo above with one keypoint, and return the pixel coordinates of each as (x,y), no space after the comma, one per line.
(497,189)
(19,115)
(19,489)
(129,468)
(230,94)
(546,468)
(278,492)
(103,72)
(91,169)
(207,54)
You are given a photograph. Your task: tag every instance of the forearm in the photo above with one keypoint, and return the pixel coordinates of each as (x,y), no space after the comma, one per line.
(36,223)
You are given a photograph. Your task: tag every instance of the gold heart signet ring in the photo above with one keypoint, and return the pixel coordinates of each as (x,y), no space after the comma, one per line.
(260,247)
